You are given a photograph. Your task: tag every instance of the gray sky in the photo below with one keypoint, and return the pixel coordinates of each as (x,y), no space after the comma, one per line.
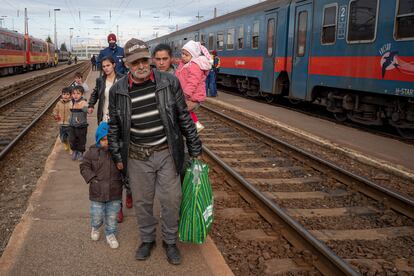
(93,20)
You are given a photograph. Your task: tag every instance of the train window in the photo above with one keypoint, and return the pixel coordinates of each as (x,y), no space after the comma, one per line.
(211,41)
(362,20)
(2,41)
(404,21)
(329,24)
(220,41)
(270,36)
(240,38)
(203,39)
(301,33)
(255,35)
(230,39)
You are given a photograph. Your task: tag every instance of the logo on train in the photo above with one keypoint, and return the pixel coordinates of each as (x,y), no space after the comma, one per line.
(391,61)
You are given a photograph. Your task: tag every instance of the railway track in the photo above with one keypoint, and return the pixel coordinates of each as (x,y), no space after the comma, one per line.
(349,224)
(20,110)
(321,113)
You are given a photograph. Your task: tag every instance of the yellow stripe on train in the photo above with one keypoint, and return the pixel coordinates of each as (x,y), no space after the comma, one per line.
(38,59)
(11,59)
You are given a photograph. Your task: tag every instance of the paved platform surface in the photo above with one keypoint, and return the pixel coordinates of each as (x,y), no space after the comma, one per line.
(53,237)
(390,150)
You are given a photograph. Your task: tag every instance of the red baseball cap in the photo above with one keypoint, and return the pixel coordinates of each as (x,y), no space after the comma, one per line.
(111,37)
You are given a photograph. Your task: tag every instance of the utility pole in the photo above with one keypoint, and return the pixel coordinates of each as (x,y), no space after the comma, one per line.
(56,44)
(215,12)
(26,24)
(117,35)
(199,17)
(70,39)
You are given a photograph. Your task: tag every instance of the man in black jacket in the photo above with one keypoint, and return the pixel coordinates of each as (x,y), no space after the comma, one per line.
(148,119)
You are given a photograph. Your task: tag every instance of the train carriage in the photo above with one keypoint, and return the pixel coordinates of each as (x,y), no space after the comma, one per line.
(356,57)
(12,53)
(37,53)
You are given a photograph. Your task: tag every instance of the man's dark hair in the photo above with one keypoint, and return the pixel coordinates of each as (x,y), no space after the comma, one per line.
(162,47)
(66,90)
(78,75)
(79,88)
(108,58)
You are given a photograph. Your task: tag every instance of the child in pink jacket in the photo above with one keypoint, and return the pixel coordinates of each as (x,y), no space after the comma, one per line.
(192,73)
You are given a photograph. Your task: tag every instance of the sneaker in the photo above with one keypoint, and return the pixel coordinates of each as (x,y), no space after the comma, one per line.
(74,155)
(95,234)
(112,241)
(199,126)
(144,251)
(120,217)
(172,252)
(128,201)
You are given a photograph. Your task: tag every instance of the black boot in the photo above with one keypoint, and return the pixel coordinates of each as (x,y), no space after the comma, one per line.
(173,254)
(144,251)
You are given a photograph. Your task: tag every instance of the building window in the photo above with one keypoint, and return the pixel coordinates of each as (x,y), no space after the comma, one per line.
(203,39)
(196,37)
(240,38)
(362,20)
(255,35)
(220,41)
(404,22)
(301,33)
(230,39)
(211,41)
(329,25)
(270,36)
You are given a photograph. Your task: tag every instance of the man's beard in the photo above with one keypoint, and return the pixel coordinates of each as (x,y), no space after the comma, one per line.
(142,75)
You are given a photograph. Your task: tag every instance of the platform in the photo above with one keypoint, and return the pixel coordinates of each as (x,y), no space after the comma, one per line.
(53,237)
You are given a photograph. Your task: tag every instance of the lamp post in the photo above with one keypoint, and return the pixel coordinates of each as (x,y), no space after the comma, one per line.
(56,44)
(70,39)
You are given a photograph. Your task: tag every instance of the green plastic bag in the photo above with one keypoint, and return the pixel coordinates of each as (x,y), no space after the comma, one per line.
(196,212)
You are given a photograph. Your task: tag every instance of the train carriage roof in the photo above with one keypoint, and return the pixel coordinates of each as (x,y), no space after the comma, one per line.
(10,32)
(267,5)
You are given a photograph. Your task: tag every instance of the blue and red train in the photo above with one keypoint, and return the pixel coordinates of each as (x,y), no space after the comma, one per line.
(20,53)
(356,57)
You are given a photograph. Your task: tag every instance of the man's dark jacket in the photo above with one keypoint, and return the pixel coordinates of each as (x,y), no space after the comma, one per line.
(98,93)
(100,173)
(117,53)
(173,112)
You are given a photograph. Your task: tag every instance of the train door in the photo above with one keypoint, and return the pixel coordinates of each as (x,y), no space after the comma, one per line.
(301,51)
(269,53)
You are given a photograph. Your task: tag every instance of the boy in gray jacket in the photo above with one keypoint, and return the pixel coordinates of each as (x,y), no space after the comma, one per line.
(105,187)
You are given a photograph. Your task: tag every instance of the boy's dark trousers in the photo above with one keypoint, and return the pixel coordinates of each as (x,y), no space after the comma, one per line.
(77,138)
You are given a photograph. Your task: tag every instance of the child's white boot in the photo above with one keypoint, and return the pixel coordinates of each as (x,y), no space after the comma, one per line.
(112,241)
(199,126)
(95,234)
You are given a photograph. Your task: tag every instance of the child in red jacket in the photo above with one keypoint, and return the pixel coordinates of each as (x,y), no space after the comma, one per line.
(192,73)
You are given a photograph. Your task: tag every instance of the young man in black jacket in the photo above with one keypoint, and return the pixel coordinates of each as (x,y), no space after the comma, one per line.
(148,119)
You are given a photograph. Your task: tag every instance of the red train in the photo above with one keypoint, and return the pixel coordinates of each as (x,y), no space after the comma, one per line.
(20,53)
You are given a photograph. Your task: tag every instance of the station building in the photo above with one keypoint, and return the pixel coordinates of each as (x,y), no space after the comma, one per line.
(85,51)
